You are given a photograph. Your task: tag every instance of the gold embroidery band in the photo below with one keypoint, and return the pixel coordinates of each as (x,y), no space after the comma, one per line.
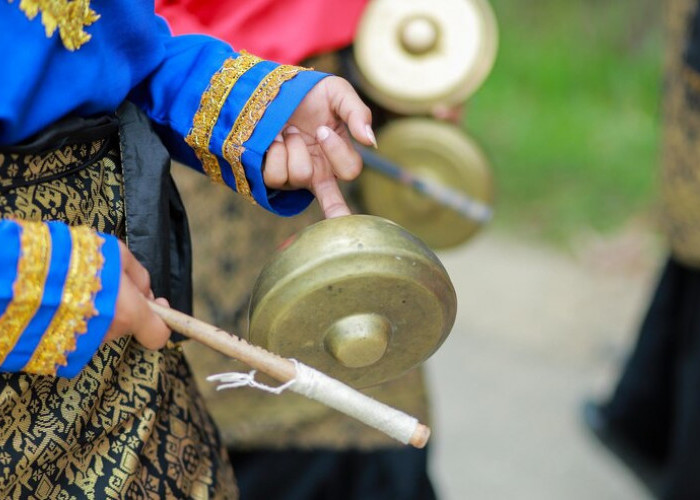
(69,16)
(213,100)
(28,288)
(77,303)
(248,119)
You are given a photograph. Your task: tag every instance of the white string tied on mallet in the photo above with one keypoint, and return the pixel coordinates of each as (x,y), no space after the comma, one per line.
(235,380)
(324,389)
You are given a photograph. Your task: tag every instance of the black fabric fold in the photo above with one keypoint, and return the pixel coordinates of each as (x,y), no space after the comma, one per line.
(70,130)
(157,231)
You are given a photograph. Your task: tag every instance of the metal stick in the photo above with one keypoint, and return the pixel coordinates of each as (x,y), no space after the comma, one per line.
(458,201)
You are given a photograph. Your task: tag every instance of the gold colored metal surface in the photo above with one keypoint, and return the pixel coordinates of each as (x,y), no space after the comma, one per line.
(357,297)
(419,35)
(441,153)
(359,340)
(414,55)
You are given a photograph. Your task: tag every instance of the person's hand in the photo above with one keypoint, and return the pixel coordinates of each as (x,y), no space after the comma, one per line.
(452,114)
(315,149)
(133,316)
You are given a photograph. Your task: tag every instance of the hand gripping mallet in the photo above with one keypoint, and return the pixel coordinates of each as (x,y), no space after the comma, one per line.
(302,379)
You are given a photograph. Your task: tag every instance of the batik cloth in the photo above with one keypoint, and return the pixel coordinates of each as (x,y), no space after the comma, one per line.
(680,168)
(131,424)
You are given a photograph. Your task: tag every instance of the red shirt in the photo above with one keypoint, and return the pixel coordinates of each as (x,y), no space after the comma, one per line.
(286,31)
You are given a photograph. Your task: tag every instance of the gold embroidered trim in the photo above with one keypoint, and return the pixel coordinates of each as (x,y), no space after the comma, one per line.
(213,100)
(28,288)
(248,119)
(77,303)
(69,16)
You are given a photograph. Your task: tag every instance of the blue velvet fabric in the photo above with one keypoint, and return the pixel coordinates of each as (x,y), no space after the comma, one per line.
(51,300)
(60,256)
(105,300)
(131,55)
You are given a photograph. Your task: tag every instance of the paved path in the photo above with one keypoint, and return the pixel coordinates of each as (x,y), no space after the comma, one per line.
(536,332)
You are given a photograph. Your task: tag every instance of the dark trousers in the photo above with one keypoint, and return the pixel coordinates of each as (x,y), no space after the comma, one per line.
(656,404)
(396,474)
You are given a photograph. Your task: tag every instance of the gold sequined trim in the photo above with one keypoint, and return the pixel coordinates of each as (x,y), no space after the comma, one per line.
(69,16)
(213,99)
(28,288)
(77,304)
(248,119)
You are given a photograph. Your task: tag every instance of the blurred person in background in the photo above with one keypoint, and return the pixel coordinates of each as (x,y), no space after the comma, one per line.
(652,419)
(285,447)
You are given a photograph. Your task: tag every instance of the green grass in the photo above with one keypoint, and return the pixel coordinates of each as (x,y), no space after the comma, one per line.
(569,116)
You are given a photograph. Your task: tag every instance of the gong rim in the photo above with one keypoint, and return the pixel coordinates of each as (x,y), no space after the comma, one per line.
(438,152)
(300,296)
(446,73)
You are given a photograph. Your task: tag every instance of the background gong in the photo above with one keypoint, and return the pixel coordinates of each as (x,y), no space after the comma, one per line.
(440,153)
(414,55)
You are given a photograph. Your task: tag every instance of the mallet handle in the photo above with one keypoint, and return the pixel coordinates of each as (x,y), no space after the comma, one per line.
(277,367)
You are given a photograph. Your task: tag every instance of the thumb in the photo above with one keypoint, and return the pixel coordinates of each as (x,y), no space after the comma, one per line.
(352,111)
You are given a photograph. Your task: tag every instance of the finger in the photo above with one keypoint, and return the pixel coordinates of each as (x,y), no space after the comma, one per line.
(135,270)
(275,171)
(350,108)
(148,329)
(452,114)
(135,317)
(124,309)
(345,161)
(299,166)
(162,301)
(330,198)
(119,327)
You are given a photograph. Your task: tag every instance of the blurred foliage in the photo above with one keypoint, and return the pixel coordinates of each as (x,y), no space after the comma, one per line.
(570,115)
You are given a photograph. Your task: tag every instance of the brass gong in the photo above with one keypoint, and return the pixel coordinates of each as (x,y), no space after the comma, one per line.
(356,297)
(440,153)
(414,55)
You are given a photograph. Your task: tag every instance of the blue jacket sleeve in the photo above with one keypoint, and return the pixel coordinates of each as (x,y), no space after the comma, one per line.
(58,290)
(219,111)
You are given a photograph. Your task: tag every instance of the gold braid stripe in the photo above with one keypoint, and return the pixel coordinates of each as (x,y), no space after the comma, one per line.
(77,304)
(69,16)
(28,288)
(213,99)
(248,119)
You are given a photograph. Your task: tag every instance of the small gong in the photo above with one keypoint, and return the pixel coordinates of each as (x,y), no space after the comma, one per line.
(357,297)
(414,55)
(437,152)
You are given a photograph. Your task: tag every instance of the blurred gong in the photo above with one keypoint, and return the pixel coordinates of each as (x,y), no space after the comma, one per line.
(357,297)
(439,153)
(413,55)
